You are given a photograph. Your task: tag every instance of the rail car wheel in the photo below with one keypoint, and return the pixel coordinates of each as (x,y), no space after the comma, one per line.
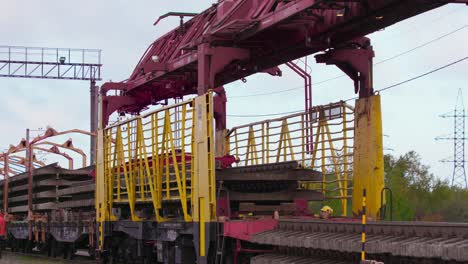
(18,245)
(13,244)
(41,247)
(69,251)
(55,248)
(22,245)
(28,246)
(111,259)
(92,252)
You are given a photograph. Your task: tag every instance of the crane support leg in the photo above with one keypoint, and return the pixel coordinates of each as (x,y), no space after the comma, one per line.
(219,109)
(355,59)
(203,181)
(368,155)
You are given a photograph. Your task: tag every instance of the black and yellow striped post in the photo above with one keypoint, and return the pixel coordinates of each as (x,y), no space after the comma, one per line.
(363,233)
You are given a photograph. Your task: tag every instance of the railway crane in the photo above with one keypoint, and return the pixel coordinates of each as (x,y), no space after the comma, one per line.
(229,41)
(175,185)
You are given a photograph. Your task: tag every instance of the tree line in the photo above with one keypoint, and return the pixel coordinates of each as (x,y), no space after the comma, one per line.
(420,195)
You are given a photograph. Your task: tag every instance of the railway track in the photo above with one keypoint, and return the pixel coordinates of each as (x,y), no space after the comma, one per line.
(391,242)
(283,259)
(38,258)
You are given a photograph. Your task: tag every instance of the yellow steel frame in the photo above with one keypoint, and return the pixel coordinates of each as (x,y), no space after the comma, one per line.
(290,138)
(204,182)
(163,155)
(368,158)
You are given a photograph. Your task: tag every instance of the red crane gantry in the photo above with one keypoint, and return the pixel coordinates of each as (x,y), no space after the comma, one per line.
(236,38)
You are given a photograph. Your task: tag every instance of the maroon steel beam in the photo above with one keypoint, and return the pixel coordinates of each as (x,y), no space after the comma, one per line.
(234,39)
(6,180)
(307,101)
(355,60)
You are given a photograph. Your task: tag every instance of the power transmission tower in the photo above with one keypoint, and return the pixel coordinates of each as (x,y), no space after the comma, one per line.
(458,115)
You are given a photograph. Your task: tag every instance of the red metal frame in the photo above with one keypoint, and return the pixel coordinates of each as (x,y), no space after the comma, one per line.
(307,101)
(239,249)
(245,229)
(236,38)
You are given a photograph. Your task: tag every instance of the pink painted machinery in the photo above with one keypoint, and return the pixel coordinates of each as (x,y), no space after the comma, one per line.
(236,38)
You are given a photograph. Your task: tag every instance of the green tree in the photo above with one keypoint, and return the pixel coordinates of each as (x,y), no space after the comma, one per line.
(419,195)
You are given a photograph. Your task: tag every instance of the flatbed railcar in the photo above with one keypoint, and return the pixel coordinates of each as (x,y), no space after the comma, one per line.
(64,214)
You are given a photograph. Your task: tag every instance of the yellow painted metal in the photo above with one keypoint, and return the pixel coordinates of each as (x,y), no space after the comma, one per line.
(101,199)
(344,200)
(323,156)
(251,149)
(202,222)
(328,149)
(204,182)
(368,155)
(154,158)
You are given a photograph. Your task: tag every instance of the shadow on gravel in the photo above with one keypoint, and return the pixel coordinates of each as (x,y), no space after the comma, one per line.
(9,258)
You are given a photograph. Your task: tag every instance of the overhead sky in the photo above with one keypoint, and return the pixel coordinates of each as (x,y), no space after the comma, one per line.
(123,30)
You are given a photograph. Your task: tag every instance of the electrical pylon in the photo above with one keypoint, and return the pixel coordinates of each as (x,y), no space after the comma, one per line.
(458,115)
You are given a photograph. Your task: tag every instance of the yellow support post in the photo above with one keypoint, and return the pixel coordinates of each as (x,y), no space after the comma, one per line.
(100,193)
(368,155)
(345,164)
(203,181)
(251,149)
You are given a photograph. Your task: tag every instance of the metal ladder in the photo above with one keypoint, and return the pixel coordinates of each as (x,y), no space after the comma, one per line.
(220,238)
(220,242)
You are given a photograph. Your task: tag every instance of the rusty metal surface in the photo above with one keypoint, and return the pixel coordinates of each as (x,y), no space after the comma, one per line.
(38,195)
(53,170)
(53,188)
(265,167)
(277,175)
(47,206)
(445,241)
(69,231)
(78,203)
(276,182)
(287,195)
(76,189)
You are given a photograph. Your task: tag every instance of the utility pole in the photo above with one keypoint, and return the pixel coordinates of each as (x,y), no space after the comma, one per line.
(458,115)
(29,163)
(93,119)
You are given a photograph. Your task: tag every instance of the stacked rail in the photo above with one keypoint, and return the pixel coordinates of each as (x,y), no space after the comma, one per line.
(438,242)
(62,208)
(53,188)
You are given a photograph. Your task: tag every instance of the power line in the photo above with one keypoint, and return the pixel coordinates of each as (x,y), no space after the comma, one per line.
(424,74)
(423,45)
(377,63)
(379,90)
(416,77)
(457,9)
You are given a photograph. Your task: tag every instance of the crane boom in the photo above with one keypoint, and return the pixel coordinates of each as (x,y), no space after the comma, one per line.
(236,38)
